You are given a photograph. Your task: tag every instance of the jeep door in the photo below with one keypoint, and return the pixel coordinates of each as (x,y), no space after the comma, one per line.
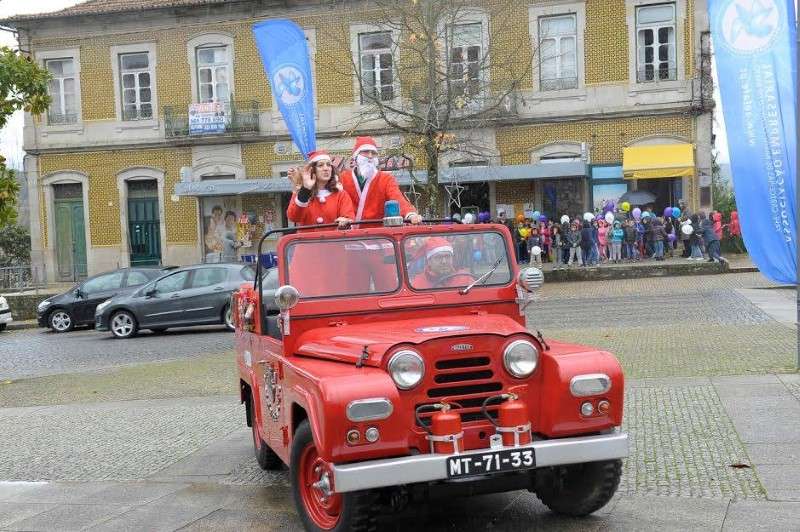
(163,307)
(95,291)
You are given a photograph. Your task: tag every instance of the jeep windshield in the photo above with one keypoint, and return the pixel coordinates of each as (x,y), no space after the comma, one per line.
(439,261)
(320,269)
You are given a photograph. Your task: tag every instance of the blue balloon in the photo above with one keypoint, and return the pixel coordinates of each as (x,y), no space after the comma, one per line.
(536,215)
(477,255)
(646,214)
(676,212)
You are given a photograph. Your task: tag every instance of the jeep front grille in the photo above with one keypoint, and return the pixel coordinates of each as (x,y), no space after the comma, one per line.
(467,381)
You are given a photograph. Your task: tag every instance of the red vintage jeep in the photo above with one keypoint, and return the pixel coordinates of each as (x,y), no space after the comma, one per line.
(389,364)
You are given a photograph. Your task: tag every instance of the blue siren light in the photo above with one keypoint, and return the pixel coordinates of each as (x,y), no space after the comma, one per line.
(391,208)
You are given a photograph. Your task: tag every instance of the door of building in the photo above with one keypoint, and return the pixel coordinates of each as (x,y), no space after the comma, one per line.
(70,237)
(144,225)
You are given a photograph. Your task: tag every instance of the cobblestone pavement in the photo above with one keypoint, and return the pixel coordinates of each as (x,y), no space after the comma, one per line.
(38,352)
(671,336)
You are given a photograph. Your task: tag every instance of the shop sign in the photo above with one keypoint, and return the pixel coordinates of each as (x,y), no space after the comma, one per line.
(207,118)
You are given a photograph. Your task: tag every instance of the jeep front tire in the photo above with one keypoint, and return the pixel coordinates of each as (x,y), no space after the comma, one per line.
(580,489)
(318,510)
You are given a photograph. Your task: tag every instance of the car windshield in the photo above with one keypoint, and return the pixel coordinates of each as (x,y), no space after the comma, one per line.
(342,267)
(456,260)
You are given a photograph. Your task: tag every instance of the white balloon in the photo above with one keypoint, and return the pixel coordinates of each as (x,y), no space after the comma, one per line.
(536,250)
(565,219)
(588,216)
(610,217)
(468,218)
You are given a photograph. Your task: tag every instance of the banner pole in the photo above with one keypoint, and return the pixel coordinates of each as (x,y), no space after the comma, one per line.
(796,184)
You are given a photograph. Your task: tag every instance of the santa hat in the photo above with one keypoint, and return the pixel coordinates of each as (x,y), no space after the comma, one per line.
(436,245)
(364,143)
(318,155)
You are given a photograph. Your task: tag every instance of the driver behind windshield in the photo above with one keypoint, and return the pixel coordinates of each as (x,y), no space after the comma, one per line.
(439,270)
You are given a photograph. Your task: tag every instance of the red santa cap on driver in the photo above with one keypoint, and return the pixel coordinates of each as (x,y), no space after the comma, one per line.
(436,245)
(318,155)
(364,143)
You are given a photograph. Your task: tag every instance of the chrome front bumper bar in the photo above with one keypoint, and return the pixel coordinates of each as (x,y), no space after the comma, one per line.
(432,467)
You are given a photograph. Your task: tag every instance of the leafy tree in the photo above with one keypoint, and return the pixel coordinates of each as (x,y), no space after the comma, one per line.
(721,191)
(15,245)
(23,85)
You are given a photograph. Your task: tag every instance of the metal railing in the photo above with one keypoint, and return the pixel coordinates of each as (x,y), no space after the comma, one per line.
(651,73)
(60,119)
(559,84)
(18,278)
(240,117)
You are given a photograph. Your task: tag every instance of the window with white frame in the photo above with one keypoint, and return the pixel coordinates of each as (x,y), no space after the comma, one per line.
(62,90)
(213,68)
(136,86)
(377,66)
(466,54)
(655,43)
(558,56)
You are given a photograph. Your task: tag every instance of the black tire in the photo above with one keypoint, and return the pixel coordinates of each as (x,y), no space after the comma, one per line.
(60,320)
(266,457)
(356,510)
(227,318)
(158,330)
(3,327)
(580,489)
(123,325)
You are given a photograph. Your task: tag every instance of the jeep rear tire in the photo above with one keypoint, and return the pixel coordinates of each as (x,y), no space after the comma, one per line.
(266,457)
(337,511)
(580,489)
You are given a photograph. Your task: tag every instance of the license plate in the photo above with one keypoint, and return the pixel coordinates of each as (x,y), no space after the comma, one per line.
(490,462)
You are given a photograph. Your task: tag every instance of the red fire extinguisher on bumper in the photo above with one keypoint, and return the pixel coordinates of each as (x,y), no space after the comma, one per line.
(513,423)
(445,432)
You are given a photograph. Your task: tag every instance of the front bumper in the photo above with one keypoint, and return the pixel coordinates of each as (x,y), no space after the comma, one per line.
(432,467)
(99,323)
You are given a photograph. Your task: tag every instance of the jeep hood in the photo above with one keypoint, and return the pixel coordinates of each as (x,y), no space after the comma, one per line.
(346,343)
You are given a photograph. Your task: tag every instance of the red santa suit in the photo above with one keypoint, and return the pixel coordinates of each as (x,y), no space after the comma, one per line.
(428,279)
(325,208)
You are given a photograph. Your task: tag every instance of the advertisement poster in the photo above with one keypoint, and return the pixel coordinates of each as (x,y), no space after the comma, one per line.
(221,227)
(207,118)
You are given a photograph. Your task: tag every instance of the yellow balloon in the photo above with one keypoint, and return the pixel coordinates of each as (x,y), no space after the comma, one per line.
(626,206)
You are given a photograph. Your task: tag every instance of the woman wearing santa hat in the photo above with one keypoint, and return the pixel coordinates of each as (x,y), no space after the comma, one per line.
(318,198)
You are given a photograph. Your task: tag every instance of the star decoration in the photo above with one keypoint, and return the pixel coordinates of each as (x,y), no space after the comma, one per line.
(456,188)
(412,195)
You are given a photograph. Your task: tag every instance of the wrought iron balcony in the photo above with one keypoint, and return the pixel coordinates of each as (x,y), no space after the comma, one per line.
(231,118)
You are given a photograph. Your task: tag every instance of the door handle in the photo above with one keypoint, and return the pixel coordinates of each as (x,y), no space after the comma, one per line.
(219,289)
(174,296)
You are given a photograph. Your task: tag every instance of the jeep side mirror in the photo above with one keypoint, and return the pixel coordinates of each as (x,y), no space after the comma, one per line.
(286,297)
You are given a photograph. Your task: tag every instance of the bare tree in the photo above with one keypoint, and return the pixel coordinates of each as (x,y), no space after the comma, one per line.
(437,71)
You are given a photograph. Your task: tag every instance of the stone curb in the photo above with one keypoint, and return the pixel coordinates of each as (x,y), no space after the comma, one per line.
(19,325)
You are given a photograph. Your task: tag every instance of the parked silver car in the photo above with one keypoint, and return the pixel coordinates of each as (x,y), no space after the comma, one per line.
(189,296)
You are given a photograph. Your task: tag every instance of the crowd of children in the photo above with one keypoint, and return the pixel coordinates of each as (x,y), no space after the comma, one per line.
(619,236)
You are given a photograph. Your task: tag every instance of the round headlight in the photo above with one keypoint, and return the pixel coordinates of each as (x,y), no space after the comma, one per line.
(520,358)
(406,368)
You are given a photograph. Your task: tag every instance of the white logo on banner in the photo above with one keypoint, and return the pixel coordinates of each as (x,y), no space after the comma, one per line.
(750,26)
(289,84)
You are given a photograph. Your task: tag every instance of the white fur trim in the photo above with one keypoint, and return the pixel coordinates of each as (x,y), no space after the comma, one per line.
(440,249)
(320,157)
(300,203)
(364,147)
(323,193)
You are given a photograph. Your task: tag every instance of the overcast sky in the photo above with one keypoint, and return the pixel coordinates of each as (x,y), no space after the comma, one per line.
(11,135)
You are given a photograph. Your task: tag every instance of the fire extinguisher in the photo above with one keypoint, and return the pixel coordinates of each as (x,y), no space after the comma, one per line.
(445,431)
(513,423)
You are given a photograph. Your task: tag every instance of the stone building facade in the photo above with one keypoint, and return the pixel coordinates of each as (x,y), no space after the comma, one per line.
(115,176)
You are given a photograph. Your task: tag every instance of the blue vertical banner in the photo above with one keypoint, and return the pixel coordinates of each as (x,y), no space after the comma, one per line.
(284,52)
(755,50)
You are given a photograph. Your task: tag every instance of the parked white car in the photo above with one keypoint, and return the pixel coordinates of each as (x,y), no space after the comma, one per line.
(5,313)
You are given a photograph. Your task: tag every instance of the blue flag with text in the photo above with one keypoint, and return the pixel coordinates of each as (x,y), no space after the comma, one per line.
(754,46)
(284,52)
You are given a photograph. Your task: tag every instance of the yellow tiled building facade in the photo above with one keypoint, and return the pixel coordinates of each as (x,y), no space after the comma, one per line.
(606,111)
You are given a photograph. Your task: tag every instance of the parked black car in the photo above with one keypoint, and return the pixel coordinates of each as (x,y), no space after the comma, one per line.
(194,295)
(76,306)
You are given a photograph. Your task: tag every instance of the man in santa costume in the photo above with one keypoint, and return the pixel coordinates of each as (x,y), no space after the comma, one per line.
(439,271)
(369,188)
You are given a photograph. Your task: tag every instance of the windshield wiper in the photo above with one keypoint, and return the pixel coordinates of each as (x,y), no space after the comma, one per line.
(482,278)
